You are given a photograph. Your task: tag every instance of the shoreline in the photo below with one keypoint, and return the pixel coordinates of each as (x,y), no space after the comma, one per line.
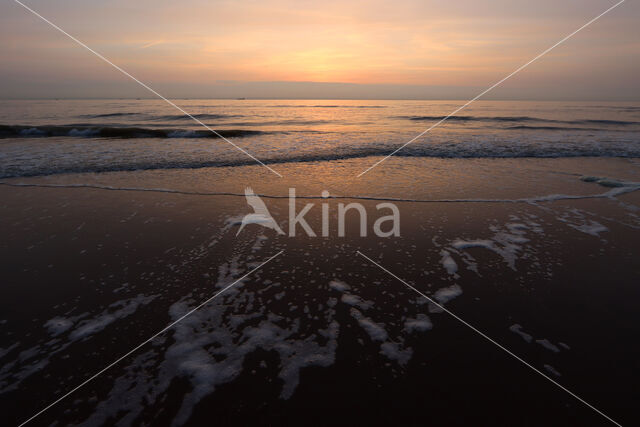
(618,190)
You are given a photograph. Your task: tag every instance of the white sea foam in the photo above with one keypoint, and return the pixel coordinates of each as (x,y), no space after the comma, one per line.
(552,370)
(356,301)
(394,352)
(565,346)
(421,323)
(466,244)
(507,241)
(58,325)
(210,347)
(581,220)
(606,182)
(548,345)
(82,326)
(448,263)
(444,295)
(516,328)
(339,286)
(126,308)
(375,330)
(591,227)
(5,351)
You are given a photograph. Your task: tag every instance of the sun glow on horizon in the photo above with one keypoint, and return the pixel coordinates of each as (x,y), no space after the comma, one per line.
(405,43)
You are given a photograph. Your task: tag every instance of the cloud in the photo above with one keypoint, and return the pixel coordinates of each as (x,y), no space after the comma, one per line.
(150,44)
(467,43)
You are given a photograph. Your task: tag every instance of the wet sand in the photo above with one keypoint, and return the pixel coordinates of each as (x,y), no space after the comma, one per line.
(320,334)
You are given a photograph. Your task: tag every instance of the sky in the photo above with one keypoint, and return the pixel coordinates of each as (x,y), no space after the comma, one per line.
(416,49)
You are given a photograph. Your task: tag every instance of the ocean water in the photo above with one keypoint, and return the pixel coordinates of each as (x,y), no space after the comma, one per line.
(50,137)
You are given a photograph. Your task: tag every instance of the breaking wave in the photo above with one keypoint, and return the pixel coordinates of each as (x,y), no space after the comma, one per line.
(169,117)
(522,119)
(183,160)
(87,131)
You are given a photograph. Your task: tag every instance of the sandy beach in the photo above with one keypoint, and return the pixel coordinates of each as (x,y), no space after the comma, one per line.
(545,265)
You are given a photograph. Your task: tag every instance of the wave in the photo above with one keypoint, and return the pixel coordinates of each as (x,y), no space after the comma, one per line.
(565,128)
(291,122)
(168,117)
(98,116)
(627,108)
(18,131)
(521,119)
(199,116)
(445,151)
(164,164)
(603,122)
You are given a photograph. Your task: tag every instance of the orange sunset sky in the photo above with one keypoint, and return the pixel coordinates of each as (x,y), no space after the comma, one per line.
(298,49)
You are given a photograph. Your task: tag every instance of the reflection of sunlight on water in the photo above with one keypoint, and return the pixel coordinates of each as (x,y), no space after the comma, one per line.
(402,178)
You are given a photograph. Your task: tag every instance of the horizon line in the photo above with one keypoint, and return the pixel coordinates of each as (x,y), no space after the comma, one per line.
(247,98)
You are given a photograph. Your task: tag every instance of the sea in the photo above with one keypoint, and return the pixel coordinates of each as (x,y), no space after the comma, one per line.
(50,137)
